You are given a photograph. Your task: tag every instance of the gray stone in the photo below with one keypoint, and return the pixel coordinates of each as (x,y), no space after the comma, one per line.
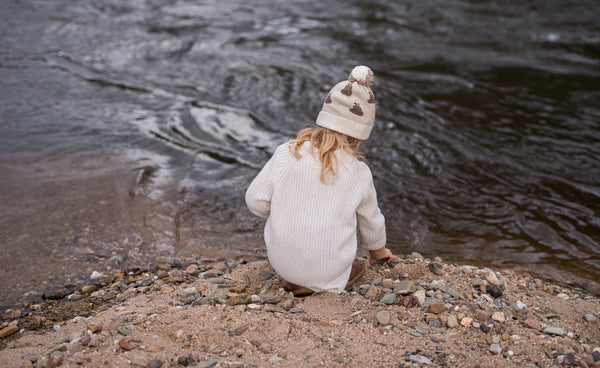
(405,287)
(123,331)
(265,275)
(383,317)
(495,348)
(554,331)
(388,299)
(419,359)
(155,363)
(216,280)
(590,317)
(436,267)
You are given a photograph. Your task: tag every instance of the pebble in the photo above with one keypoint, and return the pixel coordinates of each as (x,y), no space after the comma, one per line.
(216,280)
(94,327)
(405,287)
(88,289)
(155,363)
(466,321)
(419,359)
(123,331)
(7,331)
(485,328)
(482,315)
(125,345)
(529,323)
(492,278)
(420,295)
(554,331)
(436,308)
(266,275)
(436,267)
(498,317)
(590,318)
(383,317)
(96,276)
(493,290)
(388,299)
(495,349)
(56,328)
(452,321)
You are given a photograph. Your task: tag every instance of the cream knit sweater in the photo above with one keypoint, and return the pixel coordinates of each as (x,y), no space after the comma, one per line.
(313,230)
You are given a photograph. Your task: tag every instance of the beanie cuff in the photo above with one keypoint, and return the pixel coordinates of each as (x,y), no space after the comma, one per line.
(343,125)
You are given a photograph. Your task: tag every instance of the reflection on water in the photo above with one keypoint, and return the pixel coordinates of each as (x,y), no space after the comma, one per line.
(485,149)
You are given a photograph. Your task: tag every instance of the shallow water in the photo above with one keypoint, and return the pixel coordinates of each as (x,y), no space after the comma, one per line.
(128,125)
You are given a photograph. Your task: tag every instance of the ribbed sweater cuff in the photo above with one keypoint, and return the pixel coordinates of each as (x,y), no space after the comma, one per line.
(377,253)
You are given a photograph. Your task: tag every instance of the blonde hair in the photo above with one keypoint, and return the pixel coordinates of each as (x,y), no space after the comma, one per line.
(326,142)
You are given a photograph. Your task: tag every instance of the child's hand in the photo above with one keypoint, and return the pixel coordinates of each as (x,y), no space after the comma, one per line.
(387,259)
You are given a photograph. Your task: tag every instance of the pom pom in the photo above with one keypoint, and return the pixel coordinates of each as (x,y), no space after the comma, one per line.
(361,74)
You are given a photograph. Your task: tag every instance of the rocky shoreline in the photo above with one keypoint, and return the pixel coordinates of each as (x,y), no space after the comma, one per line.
(233,313)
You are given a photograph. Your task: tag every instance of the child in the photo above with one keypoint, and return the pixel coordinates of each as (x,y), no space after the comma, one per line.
(319,198)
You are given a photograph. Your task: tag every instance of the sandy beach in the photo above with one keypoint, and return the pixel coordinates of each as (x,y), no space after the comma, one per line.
(225,313)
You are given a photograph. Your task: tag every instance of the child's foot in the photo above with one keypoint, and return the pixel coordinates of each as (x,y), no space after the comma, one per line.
(295,289)
(357,271)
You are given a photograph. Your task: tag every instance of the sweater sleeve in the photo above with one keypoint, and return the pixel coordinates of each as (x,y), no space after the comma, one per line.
(371,223)
(258,194)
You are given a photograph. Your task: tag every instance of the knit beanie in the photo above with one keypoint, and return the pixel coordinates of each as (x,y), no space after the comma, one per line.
(350,105)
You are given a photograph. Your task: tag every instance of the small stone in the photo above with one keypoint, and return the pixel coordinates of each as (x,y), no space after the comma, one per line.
(529,323)
(155,363)
(492,278)
(405,287)
(420,359)
(239,299)
(94,327)
(96,276)
(238,288)
(162,274)
(275,358)
(498,317)
(265,275)
(436,267)
(466,321)
(88,289)
(85,340)
(7,331)
(482,315)
(485,328)
(420,294)
(192,270)
(123,331)
(183,360)
(383,317)
(56,328)
(495,349)
(452,321)
(596,356)
(208,363)
(388,299)
(436,308)
(125,345)
(493,290)
(590,318)
(216,280)
(153,349)
(372,292)
(15,314)
(562,296)
(554,331)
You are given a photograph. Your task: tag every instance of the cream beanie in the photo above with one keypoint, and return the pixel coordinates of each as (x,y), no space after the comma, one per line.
(350,106)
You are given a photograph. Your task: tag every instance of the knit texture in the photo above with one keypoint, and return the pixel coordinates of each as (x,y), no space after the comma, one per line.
(349,108)
(313,230)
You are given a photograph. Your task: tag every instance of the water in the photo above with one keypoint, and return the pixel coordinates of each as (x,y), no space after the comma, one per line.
(130,129)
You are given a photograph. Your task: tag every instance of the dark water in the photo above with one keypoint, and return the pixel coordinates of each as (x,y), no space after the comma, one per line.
(130,129)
